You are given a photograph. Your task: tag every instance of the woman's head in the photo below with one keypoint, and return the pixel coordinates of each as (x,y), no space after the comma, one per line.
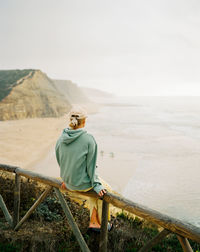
(77,117)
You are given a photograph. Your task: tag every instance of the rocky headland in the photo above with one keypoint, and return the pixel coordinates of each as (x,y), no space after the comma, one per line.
(31,93)
(41,104)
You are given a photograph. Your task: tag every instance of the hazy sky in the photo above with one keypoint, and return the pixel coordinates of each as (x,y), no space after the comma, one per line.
(143,47)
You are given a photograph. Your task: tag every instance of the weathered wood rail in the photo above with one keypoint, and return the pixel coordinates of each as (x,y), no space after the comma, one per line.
(183,230)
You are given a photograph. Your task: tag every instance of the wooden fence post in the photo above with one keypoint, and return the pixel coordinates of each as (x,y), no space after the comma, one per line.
(16,200)
(72,222)
(158,238)
(185,244)
(5,211)
(34,206)
(104,228)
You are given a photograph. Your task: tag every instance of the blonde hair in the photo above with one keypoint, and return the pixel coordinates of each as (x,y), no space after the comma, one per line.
(75,122)
(77,116)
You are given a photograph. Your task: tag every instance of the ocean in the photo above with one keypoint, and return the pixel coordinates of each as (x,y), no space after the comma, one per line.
(149,151)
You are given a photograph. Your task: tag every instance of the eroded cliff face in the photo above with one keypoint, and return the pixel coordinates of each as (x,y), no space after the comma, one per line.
(74,94)
(71,91)
(34,95)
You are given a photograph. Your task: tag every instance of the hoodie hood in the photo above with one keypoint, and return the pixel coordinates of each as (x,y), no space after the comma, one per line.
(69,136)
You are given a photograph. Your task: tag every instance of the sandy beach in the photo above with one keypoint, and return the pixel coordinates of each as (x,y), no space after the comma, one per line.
(30,144)
(25,142)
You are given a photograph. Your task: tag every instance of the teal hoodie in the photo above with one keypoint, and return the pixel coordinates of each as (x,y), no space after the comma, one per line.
(76,153)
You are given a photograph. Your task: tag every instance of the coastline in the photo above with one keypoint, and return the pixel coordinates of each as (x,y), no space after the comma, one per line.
(29,143)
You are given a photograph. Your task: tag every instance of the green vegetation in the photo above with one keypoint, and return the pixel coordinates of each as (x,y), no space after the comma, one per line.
(143,231)
(47,228)
(8,79)
(6,247)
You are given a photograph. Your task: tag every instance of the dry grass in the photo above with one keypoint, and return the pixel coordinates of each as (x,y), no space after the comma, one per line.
(47,228)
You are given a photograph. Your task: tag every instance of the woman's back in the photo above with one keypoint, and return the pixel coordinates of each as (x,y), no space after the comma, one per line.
(76,153)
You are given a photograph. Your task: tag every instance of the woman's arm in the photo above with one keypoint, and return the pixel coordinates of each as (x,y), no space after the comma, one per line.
(91,167)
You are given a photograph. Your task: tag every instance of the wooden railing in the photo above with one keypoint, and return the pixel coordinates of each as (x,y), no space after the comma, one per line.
(182,229)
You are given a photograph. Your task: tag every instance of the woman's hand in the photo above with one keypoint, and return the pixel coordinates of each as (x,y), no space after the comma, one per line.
(102,192)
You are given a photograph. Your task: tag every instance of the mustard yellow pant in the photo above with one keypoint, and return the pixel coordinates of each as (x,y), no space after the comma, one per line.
(97,203)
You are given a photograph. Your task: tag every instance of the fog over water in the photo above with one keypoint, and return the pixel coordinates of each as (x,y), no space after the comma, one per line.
(149,151)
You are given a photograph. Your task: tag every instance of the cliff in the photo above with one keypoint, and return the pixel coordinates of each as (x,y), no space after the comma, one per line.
(96,93)
(29,93)
(10,78)
(75,95)
(71,91)
(98,96)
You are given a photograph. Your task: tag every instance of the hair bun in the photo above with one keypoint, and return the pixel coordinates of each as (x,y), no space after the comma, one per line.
(74,121)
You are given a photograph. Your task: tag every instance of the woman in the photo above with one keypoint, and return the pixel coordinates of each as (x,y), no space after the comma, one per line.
(76,153)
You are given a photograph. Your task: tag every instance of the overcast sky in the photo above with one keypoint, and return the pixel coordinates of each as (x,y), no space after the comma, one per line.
(143,47)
